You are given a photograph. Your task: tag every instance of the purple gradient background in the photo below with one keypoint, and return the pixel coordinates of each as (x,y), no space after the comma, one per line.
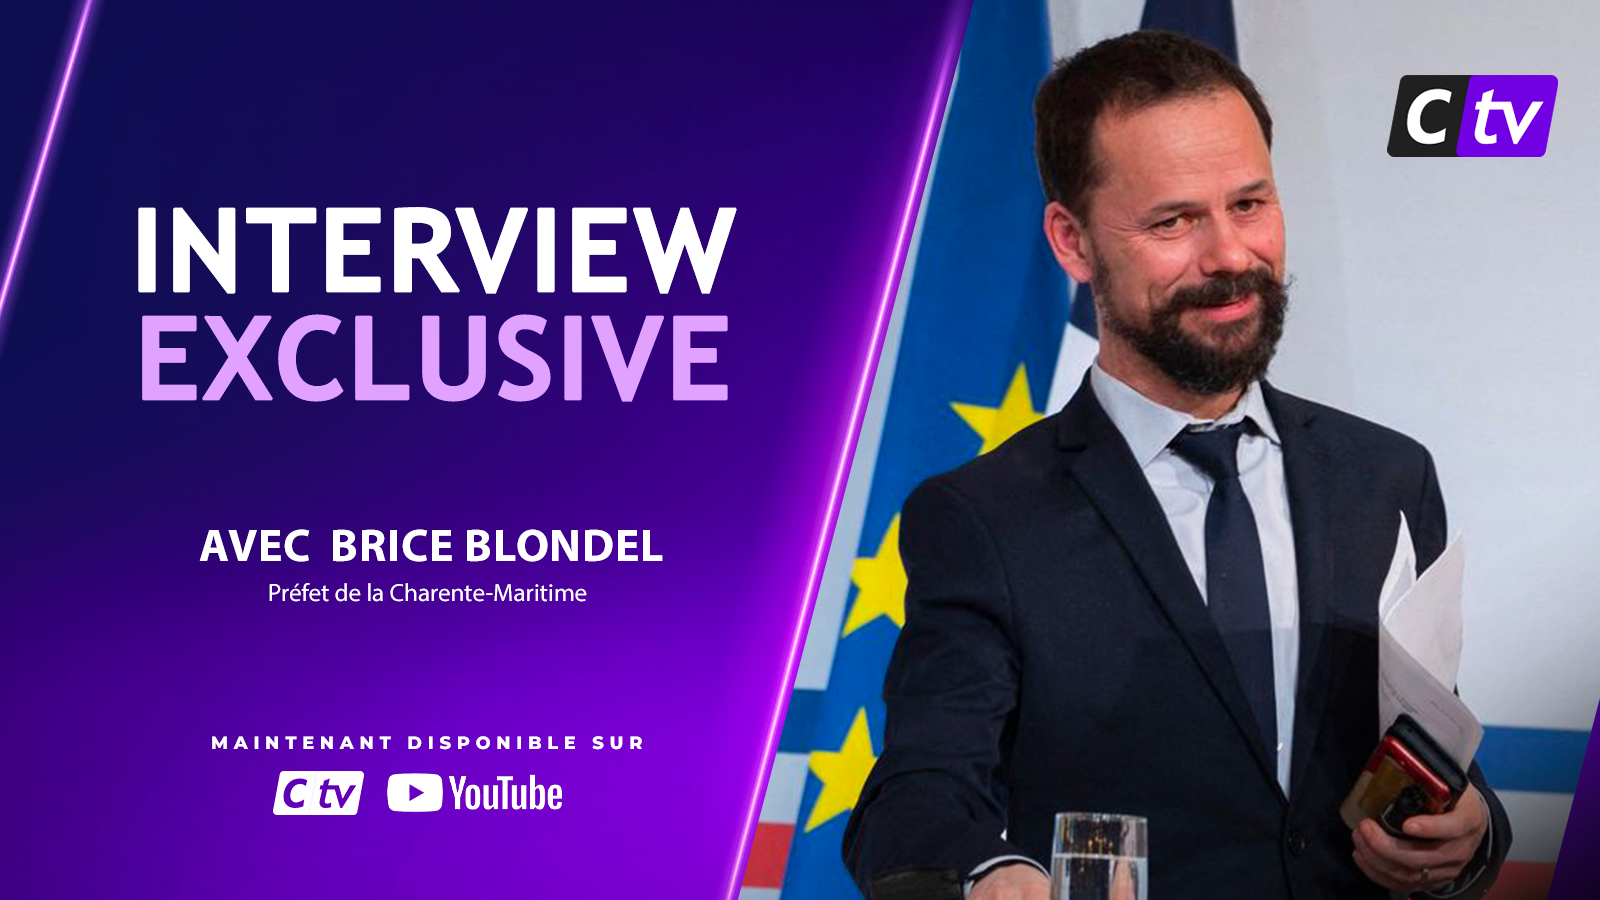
(125,655)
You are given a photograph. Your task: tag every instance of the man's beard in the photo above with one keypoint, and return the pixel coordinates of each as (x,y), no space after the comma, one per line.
(1230,357)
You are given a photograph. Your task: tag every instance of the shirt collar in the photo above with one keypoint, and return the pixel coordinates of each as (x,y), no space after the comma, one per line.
(1148,427)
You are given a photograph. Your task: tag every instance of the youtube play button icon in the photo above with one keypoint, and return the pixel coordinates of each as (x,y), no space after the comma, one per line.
(416,793)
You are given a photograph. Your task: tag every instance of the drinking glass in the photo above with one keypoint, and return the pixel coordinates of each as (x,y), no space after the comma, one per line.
(1099,856)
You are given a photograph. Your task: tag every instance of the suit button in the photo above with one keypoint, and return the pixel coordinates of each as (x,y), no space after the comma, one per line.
(1297,843)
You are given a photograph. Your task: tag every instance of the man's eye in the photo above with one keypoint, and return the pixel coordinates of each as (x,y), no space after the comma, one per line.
(1169,225)
(1247,206)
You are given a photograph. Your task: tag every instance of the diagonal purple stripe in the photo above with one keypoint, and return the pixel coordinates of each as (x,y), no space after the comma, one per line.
(45,147)
(940,91)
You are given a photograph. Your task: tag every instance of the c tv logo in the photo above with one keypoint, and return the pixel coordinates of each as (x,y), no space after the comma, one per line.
(1472,115)
(317,794)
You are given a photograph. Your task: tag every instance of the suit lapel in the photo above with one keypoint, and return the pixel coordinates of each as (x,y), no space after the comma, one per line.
(1105,470)
(1308,464)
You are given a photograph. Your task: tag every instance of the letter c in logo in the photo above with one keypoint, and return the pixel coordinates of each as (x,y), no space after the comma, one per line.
(289,788)
(1414,117)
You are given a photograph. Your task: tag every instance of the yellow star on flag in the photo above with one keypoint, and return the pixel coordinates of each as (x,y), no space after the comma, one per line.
(997,423)
(843,772)
(880,583)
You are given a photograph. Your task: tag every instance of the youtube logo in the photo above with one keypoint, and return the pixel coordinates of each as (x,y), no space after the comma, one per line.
(415,792)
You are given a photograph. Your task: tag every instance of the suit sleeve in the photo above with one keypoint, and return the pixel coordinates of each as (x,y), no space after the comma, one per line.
(935,798)
(1479,874)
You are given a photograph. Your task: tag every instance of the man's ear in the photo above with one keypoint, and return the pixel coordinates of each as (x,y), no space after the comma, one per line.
(1069,241)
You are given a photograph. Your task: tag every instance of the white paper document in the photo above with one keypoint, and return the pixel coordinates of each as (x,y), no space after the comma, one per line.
(1419,648)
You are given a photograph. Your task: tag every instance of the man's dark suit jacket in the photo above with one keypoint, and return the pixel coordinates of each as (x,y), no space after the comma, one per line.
(1058,656)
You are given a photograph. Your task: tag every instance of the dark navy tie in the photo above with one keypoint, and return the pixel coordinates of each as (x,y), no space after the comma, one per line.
(1236,579)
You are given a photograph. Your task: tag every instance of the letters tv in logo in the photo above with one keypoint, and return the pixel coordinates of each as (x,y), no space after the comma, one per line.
(317,794)
(1472,115)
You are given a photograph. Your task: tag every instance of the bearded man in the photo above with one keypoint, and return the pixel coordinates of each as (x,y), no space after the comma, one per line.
(1162,600)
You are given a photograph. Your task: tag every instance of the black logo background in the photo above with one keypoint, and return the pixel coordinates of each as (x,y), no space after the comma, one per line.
(1435,116)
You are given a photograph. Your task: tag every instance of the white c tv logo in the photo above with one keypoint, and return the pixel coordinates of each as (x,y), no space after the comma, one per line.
(1414,117)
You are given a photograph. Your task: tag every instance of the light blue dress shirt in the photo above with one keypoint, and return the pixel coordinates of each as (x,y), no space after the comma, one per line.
(1183,492)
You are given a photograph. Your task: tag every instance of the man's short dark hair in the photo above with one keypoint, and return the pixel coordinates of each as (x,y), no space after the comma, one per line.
(1122,74)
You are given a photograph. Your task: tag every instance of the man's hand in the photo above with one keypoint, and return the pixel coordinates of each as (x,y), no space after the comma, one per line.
(1433,852)
(1017,881)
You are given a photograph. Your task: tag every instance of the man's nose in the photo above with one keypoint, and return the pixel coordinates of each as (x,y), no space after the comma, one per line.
(1224,250)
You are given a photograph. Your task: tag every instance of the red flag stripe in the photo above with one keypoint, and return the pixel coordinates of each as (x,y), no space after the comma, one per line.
(1523,881)
(768,854)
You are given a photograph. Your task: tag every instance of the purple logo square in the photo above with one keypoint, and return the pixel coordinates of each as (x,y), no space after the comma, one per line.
(1507,115)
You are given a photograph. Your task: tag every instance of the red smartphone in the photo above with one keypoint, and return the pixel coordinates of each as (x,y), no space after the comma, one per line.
(1407,775)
